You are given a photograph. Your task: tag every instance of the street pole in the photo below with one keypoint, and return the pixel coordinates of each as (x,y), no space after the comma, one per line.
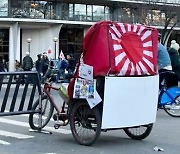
(29,44)
(55,39)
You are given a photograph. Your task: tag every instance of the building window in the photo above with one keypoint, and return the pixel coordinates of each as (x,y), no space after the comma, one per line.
(80,12)
(33,9)
(4,8)
(71,11)
(83,12)
(98,13)
(89,12)
(70,40)
(4,43)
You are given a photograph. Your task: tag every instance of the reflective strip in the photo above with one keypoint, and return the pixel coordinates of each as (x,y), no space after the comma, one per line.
(4,142)
(15,135)
(24,124)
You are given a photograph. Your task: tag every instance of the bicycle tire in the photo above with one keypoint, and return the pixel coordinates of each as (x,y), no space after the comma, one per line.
(139,132)
(173,109)
(46,106)
(84,120)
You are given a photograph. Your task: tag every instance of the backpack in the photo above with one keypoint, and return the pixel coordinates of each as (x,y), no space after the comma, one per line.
(63,64)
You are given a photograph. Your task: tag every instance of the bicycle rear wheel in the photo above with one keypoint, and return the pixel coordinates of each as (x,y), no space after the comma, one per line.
(139,132)
(173,109)
(85,123)
(47,111)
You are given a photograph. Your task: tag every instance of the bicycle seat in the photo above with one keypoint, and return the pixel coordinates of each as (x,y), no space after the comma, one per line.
(167,72)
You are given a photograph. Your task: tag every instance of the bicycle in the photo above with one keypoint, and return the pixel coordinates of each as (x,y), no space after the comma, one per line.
(48,105)
(85,123)
(169,95)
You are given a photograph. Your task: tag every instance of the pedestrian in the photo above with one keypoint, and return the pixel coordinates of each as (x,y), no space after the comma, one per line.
(164,61)
(2,68)
(27,65)
(50,72)
(45,63)
(71,64)
(27,62)
(175,58)
(5,65)
(17,65)
(38,65)
(17,68)
(61,69)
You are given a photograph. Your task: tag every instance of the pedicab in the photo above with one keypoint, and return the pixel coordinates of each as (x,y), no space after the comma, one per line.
(115,85)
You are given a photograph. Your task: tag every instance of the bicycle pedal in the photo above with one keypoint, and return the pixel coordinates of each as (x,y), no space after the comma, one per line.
(56,126)
(55,116)
(60,116)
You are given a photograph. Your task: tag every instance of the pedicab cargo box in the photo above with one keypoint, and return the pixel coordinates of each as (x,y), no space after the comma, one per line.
(130,101)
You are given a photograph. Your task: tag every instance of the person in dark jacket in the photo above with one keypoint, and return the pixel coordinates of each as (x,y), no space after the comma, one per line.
(38,65)
(163,61)
(175,58)
(50,73)
(45,63)
(2,68)
(71,64)
(27,62)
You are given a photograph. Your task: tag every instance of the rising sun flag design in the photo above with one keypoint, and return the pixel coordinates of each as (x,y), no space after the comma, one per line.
(134,49)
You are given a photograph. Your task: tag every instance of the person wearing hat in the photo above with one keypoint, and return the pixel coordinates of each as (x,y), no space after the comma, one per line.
(38,65)
(175,58)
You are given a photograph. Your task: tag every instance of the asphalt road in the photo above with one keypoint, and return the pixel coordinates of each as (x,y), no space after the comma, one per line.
(15,138)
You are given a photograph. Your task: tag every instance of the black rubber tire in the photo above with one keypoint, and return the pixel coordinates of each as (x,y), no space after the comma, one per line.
(172,110)
(84,120)
(33,117)
(139,132)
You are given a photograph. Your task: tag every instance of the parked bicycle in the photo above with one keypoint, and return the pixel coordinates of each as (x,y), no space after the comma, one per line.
(169,95)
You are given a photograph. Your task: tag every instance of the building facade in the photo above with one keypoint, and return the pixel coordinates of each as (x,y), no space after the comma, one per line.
(50,26)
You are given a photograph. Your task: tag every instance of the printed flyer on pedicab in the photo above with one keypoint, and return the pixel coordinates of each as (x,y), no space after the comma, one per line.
(85,87)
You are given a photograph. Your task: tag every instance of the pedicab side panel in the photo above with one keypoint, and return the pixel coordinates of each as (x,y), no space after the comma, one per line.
(129,101)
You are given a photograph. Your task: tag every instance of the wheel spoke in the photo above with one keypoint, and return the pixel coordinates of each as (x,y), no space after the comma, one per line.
(173,109)
(47,110)
(138,132)
(84,124)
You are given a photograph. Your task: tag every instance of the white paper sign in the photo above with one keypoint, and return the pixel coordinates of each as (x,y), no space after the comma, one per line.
(93,102)
(86,72)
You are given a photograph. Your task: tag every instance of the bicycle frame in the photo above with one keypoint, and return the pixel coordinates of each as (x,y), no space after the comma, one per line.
(162,91)
(47,91)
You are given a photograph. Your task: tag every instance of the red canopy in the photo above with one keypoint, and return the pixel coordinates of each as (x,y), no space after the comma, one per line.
(120,48)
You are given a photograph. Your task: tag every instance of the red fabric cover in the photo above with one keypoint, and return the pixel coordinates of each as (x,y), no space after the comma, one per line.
(96,51)
(135,49)
(119,48)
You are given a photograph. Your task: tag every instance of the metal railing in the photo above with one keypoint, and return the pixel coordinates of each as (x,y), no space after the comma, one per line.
(17,93)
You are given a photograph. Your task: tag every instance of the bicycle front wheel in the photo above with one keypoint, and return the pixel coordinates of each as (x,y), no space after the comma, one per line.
(173,109)
(139,132)
(47,111)
(85,123)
